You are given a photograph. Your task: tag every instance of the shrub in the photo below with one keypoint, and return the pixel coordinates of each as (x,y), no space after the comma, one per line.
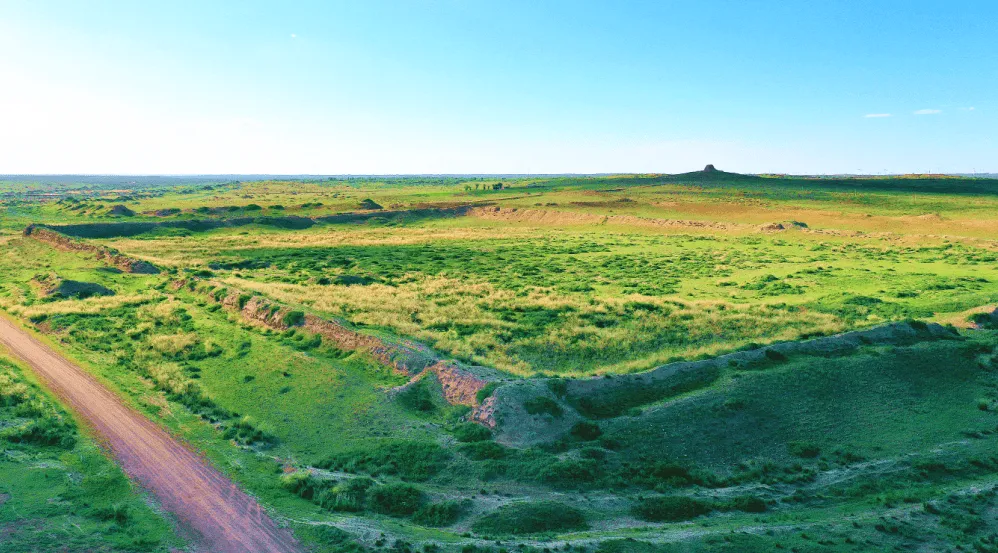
(586,431)
(418,397)
(45,431)
(774,355)
(244,431)
(652,474)
(571,472)
(443,513)
(531,518)
(353,280)
(348,496)
(485,392)
(300,483)
(395,499)
(670,508)
(542,405)
(117,513)
(409,460)
(480,451)
(748,504)
(804,449)
(558,387)
(293,318)
(985,320)
(471,432)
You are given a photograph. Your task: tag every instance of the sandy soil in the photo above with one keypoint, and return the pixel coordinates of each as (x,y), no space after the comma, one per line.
(220,516)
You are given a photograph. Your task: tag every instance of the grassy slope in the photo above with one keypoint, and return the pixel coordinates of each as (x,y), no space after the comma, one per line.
(878,403)
(740,428)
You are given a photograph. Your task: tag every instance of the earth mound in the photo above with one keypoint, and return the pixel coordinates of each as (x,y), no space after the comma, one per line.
(120,211)
(54,287)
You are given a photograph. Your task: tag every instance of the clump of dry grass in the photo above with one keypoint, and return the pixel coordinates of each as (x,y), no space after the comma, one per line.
(174,344)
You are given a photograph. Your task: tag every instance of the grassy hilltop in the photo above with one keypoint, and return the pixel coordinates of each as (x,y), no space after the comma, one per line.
(451,363)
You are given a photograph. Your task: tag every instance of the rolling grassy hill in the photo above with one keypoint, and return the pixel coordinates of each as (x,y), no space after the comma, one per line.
(533,293)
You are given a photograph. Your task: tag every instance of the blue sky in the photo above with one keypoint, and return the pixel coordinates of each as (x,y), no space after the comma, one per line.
(507,87)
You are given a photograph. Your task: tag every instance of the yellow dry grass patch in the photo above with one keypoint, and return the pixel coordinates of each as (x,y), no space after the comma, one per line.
(428,309)
(172,344)
(84,306)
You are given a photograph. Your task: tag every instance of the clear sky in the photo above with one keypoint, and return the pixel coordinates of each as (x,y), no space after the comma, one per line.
(461,86)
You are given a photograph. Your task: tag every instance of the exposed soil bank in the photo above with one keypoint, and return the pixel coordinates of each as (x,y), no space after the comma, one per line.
(107,255)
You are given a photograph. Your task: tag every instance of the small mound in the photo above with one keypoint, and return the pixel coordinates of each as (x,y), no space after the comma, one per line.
(985,319)
(60,288)
(120,211)
(531,518)
(783,225)
(368,203)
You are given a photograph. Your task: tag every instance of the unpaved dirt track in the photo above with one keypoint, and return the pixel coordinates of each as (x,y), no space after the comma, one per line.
(222,517)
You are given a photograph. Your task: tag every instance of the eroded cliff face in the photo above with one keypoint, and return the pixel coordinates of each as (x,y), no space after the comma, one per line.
(460,386)
(102,253)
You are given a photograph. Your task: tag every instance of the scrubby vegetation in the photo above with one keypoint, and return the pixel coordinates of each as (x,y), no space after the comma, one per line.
(531,518)
(883,447)
(57,490)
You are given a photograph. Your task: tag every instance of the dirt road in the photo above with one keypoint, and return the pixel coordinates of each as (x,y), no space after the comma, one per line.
(221,517)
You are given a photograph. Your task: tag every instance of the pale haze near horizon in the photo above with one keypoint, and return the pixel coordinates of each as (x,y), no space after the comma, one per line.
(490,87)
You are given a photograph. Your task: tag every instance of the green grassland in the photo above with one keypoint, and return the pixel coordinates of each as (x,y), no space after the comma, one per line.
(57,490)
(888,447)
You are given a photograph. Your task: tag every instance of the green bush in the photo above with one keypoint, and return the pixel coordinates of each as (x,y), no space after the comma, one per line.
(117,513)
(655,473)
(301,484)
(444,513)
(671,508)
(395,499)
(571,472)
(985,320)
(44,431)
(804,449)
(542,405)
(293,318)
(245,431)
(586,431)
(418,397)
(748,504)
(406,459)
(485,392)
(775,356)
(349,495)
(480,451)
(531,518)
(471,432)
